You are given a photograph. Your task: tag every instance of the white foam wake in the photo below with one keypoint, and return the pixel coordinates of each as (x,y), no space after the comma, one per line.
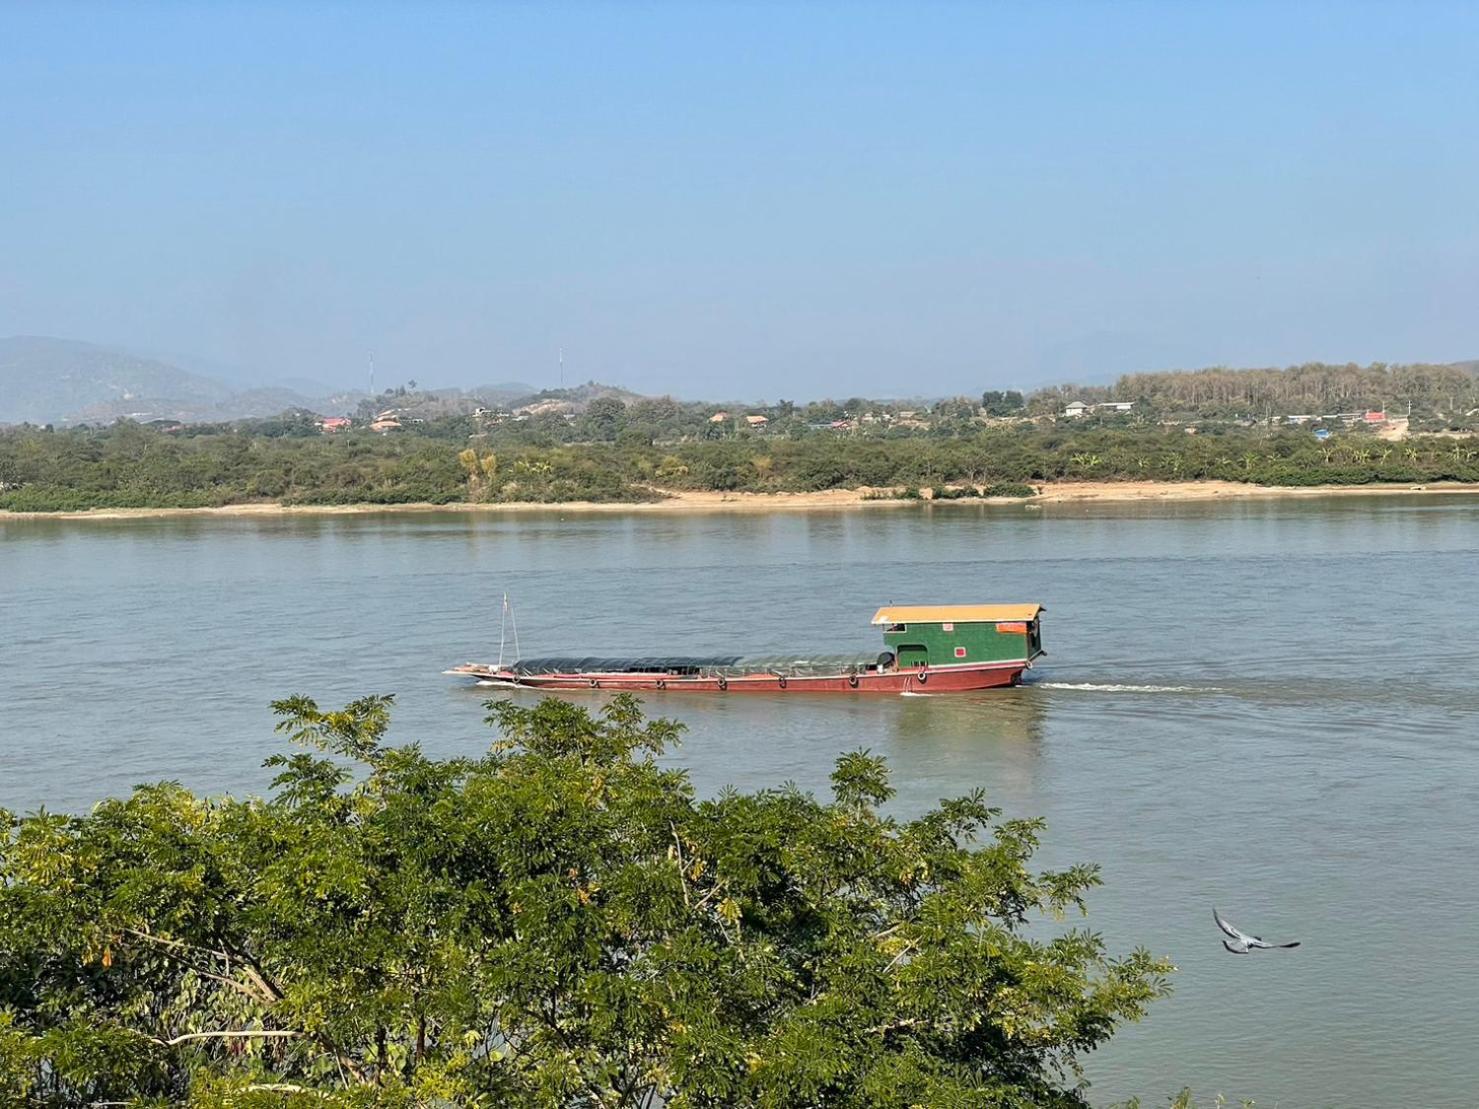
(1107,687)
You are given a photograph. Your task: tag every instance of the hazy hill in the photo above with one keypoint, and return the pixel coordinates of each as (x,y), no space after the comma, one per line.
(502,392)
(577,395)
(62,381)
(53,380)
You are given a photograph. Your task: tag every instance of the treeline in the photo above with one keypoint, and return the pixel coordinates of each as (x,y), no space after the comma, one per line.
(1439,396)
(132,466)
(1445,393)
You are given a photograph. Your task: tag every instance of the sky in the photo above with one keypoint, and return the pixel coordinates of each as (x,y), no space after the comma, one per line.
(743,201)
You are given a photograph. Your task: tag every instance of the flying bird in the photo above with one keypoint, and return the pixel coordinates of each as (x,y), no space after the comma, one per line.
(1240,943)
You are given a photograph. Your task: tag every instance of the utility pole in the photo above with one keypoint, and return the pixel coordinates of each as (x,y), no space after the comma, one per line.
(562,367)
(372,373)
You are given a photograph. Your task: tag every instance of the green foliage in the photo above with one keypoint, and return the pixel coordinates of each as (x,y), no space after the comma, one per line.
(994,402)
(605,418)
(1008,489)
(132,466)
(558,922)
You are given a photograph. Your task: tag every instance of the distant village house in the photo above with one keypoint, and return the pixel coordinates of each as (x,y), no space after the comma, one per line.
(1074,409)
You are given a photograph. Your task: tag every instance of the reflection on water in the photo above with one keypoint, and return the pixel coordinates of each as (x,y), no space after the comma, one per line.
(936,746)
(1270,706)
(941,745)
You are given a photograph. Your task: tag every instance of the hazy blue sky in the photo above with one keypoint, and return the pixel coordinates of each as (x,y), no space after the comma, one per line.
(753,201)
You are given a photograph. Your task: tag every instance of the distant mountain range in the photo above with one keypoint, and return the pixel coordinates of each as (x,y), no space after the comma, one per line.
(64,381)
(67,382)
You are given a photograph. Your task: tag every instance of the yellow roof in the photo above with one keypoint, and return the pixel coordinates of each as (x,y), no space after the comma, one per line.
(958,614)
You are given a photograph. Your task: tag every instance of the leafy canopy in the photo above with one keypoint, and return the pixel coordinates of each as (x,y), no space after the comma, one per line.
(559,922)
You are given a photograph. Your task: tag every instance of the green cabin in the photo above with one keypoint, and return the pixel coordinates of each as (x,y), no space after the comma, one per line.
(960,635)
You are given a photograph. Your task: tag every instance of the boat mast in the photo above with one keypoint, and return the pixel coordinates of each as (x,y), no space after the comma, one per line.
(514,620)
(506,616)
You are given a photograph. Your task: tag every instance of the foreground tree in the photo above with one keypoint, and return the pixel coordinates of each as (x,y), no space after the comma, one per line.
(557,923)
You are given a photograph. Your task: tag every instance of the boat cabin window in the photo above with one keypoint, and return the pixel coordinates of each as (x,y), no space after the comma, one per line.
(898,627)
(913,655)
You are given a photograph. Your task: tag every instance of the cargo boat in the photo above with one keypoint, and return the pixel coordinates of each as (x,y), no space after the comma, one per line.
(928,648)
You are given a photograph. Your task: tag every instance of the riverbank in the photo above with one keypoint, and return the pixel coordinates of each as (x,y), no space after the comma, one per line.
(1229,490)
(682,502)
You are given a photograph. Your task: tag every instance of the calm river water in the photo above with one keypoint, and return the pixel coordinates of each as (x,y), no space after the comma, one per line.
(1270,707)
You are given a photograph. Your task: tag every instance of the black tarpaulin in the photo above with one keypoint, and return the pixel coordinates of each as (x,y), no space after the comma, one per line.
(696,664)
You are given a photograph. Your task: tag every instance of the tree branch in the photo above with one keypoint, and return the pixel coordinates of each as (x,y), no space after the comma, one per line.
(682,877)
(179,945)
(244,1034)
(261,981)
(906,949)
(260,994)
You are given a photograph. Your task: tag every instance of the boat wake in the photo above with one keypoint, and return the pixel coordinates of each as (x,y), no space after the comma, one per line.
(1114,687)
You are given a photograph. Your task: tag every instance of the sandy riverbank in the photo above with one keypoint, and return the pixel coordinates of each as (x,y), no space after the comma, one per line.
(1228,490)
(1052,493)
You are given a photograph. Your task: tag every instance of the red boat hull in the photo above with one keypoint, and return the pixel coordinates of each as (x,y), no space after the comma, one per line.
(938,679)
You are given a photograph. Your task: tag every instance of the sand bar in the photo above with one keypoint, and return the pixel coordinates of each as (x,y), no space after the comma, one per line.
(682,502)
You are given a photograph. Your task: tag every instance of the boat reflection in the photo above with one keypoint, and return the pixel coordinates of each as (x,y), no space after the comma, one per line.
(948,745)
(935,745)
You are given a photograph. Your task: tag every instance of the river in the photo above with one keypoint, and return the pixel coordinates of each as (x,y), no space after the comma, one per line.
(1266,705)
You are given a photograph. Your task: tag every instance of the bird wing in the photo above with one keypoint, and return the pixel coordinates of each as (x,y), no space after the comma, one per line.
(1236,949)
(1228,928)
